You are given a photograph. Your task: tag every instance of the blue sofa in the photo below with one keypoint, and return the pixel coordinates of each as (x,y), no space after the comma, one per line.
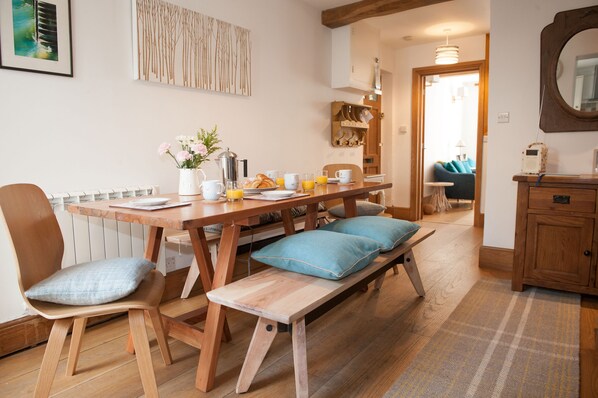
(464,187)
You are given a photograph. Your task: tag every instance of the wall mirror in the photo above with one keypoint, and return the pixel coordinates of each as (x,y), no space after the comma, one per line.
(569,72)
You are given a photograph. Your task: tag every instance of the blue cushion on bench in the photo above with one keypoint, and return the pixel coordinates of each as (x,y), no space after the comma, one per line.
(92,283)
(319,253)
(388,232)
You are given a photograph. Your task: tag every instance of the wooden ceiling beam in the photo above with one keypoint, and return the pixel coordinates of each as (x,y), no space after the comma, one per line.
(349,13)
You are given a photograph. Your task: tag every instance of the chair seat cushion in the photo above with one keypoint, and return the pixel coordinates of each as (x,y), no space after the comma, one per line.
(324,254)
(92,283)
(388,232)
(364,208)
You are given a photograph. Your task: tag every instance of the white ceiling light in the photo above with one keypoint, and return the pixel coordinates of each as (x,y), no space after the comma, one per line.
(447,54)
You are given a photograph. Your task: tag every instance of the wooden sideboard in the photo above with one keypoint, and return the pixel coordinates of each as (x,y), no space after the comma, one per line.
(556,233)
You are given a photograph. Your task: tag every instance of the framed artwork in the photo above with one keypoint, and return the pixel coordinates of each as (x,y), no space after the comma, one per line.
(178,46)
(35,36)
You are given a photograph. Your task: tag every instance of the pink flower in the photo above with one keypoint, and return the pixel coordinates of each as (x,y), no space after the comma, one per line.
(183,155)
(200,149)
(163,148)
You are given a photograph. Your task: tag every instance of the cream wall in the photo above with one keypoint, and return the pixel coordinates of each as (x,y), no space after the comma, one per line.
(101,129)
(515,88)
(470,49)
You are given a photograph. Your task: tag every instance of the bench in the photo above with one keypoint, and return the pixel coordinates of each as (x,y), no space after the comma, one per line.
(288,301)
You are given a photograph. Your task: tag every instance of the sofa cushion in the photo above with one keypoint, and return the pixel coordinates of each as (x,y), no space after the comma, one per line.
(92,283)
(364,208)
(470,162)
(324,254)
(450,167)
(388,232)
(466,167)
(459,166)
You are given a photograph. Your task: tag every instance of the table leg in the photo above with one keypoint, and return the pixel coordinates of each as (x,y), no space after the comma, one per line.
(208,358)
(311,217)
(287,222)
(153,244)
(350,204)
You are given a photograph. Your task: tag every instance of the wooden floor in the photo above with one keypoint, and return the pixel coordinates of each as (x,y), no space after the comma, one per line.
(356,350)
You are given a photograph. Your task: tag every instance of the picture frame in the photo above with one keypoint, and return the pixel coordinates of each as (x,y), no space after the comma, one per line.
(35,36)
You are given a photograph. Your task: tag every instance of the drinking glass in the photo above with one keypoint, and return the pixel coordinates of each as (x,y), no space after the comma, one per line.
(234,193)
(322,177)
(308,182)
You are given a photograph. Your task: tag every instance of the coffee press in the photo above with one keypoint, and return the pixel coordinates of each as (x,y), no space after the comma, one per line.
(228,163)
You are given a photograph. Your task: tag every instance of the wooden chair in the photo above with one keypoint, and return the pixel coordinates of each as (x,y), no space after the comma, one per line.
(38,250)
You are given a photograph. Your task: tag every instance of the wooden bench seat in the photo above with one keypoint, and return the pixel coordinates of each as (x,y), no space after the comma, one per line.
(286,300)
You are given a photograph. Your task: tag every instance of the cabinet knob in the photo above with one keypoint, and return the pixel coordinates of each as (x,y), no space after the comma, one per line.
(587,253)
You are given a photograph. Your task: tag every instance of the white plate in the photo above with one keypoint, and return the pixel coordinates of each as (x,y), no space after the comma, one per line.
(258,190)
(278,194)
(150,201)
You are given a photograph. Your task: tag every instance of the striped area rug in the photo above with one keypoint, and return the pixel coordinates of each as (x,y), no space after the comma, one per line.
(500,343)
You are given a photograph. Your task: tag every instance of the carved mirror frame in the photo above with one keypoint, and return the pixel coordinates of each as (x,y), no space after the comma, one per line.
(557,115)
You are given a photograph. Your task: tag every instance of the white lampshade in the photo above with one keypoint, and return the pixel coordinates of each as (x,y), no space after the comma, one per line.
(447,55)
(460,144)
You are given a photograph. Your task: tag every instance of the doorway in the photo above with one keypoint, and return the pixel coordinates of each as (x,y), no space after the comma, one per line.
(450,137)
(371,148)
(418,125)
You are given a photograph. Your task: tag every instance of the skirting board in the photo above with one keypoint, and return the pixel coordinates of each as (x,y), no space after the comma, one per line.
(32,330)
(496,258)
(399,212)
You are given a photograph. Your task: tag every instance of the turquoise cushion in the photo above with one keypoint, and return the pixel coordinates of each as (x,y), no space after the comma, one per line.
(92,283)
(388,232)
(319,253)
(364,208)
(466,167)
(450,167)
(470,162)
(459,166)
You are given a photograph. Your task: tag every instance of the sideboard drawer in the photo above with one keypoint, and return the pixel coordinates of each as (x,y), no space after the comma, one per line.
(565,199)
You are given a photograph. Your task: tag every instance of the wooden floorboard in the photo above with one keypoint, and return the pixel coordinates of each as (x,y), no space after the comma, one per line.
(357,350)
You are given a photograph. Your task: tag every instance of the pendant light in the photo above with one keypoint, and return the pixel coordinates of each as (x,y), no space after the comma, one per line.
(447,54)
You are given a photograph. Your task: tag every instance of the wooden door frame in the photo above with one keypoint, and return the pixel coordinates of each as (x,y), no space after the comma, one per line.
(417,127)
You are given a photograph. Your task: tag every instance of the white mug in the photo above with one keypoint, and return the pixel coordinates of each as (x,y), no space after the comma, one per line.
(212,189)
(272,174)
(344,176)
(291,181)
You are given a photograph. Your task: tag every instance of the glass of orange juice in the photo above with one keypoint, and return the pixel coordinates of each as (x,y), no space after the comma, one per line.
(308,183)
(322,177)
(234,193)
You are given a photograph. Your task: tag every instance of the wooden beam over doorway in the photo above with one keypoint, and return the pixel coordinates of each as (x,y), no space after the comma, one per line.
(349,13)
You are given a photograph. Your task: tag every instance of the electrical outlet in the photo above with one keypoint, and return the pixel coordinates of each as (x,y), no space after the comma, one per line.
(170,264)
(503,117)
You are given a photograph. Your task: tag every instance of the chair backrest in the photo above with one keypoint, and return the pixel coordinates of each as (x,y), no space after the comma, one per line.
(34,230)
(333,168)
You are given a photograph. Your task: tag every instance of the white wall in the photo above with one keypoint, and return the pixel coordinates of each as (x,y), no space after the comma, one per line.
(470,49)
(101,129)
(515,88)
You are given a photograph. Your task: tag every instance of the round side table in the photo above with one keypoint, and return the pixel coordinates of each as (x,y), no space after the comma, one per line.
(439,200)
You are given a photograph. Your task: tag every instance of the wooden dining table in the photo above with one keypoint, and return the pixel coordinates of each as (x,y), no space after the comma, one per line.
(233,215)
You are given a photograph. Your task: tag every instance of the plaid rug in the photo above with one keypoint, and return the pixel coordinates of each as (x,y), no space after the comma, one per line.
(500,343)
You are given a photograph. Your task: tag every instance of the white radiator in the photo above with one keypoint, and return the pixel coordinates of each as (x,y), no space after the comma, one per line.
(93,238)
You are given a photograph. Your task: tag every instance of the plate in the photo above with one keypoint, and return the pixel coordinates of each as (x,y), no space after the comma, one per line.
(150,201)
(278,194)
(259,190)
(333,180)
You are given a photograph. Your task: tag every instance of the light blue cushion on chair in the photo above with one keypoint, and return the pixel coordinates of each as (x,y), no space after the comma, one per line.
(364,208)
(459,166)
(450,167)
(96,282)
(324,254)
(466,167)
(388,232)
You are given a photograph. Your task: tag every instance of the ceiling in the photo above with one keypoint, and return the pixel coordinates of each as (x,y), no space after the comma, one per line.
(426,24)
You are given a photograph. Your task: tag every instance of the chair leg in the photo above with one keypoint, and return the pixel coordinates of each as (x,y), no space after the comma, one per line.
(300,358)
(413,273)
(395,269)
(47,370)
(262,339)
(75,349)
(158,326)
(144,356)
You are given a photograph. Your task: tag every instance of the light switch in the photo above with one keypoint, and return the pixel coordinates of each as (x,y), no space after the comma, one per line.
(503,117)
